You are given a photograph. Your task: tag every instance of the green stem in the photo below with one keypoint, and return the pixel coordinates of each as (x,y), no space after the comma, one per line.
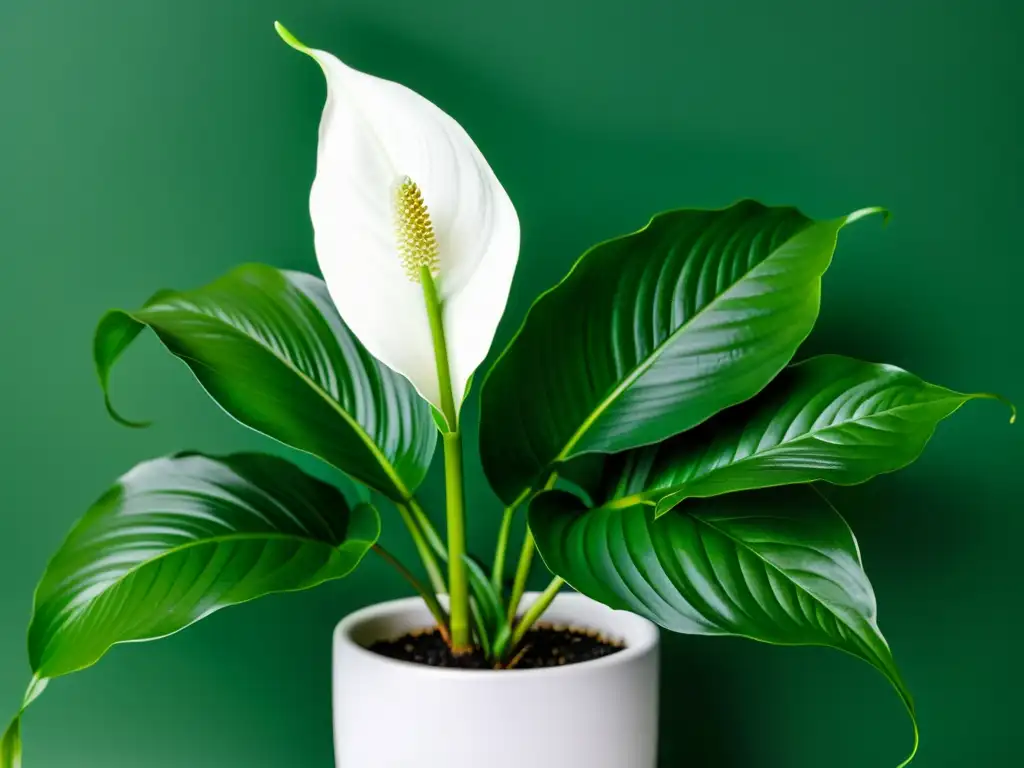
(535,611)
(522,573)
(428,597)
(444,372)
(500,553)
(429,531)
(458,578)
(525,556)
(424,550)
(498,570)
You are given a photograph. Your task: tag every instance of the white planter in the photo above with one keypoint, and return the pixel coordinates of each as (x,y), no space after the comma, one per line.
(395,714)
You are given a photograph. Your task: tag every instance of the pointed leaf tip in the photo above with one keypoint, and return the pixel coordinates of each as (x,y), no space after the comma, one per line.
(917,742)
(1005,401)
(872,210)
(289,38)
(114,334)
(112,412)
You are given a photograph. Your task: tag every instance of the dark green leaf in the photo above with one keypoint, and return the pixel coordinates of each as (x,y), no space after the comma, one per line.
(651,334)
(179,538)
(780,566)
(271,350)
(830,418)
(173,541)
(587,473)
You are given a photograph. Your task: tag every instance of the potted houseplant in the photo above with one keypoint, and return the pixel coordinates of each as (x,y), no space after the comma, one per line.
(648,418)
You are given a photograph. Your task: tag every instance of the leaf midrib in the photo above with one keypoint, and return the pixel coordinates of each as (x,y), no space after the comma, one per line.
(815,434)
(657,495)
(884,663)
(75,614)
(382,460)
(796,441)
(742,544)
(885,660)
(656,353)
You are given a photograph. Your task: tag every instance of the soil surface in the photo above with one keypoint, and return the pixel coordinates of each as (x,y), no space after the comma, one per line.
(545,646)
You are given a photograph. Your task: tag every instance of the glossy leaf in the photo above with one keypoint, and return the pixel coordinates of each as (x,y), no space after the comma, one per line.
(179,538)
(780,566)
(270,348)
(651,334)
(829,418)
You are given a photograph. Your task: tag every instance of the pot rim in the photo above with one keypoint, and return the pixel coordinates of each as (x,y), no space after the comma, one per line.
(641,637)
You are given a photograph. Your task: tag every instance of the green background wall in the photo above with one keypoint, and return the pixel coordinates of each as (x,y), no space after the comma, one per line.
(156,143)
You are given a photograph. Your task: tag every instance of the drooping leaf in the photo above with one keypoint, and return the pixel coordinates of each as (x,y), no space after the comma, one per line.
(829,418)
(780,566)
(651,334)
(179,538)
(270,348)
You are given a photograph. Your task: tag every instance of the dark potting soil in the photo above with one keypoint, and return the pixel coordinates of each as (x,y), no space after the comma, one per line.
(545,646)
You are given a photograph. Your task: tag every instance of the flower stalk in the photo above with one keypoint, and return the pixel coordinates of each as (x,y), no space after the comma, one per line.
(458,578)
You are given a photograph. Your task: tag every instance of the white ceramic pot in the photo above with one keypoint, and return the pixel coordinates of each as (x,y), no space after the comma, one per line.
(396,714)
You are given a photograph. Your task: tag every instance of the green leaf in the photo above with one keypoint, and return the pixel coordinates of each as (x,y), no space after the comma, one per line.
(779,566)
(829,418)
(10,745)
(270,348)
(179,538)
(651,334)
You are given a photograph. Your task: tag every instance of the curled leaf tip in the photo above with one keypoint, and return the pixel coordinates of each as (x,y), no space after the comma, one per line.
(917,744)
(863,212)
(289,38)
(122,421)
(1004,400)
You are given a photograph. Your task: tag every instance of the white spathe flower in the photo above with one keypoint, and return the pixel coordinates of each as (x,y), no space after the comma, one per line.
(400,185)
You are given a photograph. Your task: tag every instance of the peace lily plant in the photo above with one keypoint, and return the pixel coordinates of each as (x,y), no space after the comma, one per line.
(645,418)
